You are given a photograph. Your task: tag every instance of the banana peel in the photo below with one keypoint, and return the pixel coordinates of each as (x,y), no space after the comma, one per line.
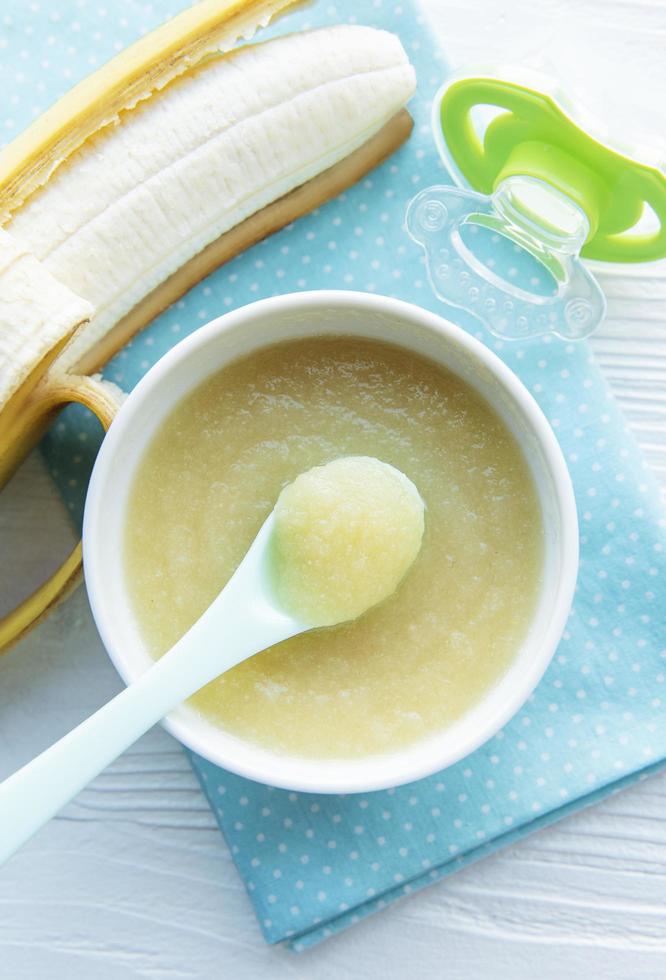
(37,377)
(131,76)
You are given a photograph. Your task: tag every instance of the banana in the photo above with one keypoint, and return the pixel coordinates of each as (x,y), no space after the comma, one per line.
(35,320)
(180,152)
(138,200)
(134,74)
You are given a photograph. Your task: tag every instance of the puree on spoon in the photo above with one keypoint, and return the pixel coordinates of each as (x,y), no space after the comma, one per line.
(345,535)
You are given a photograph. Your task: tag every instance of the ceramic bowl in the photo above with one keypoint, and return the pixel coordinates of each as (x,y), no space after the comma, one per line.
(313,314)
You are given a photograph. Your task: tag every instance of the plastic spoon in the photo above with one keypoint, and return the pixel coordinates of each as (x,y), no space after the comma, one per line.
(245,618)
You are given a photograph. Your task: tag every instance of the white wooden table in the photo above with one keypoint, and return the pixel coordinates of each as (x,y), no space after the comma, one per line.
(133,880)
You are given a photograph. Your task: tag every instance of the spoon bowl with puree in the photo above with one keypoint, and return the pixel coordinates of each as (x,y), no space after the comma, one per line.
(339,541)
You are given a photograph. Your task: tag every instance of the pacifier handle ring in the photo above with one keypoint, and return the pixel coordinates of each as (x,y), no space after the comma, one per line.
(535,137)
(647,246)
(456,107)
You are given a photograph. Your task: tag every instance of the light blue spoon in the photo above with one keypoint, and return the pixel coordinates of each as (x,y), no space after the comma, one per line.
(245,618)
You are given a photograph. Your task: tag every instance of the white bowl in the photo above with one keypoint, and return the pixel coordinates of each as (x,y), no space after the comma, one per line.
(308,315)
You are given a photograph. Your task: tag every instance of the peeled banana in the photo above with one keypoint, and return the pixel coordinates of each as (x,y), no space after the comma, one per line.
(141,198)
(135,74)
(170,159)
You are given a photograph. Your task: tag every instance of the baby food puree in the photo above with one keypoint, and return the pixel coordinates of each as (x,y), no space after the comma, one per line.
(409,666)
(345,535)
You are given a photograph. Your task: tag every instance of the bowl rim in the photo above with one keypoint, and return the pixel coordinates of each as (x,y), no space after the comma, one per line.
(360,778)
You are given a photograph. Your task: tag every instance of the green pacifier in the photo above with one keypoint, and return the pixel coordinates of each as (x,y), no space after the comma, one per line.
(533,176)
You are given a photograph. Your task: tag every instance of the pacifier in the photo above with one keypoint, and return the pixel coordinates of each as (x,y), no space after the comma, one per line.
(536,194)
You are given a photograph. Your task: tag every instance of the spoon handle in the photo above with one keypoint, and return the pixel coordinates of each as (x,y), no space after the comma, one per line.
(36,792)
(240,622)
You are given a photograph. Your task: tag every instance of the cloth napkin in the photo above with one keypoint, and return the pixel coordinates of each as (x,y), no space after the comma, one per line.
(313,864)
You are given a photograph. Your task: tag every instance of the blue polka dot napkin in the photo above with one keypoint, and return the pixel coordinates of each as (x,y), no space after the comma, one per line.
(313,865)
